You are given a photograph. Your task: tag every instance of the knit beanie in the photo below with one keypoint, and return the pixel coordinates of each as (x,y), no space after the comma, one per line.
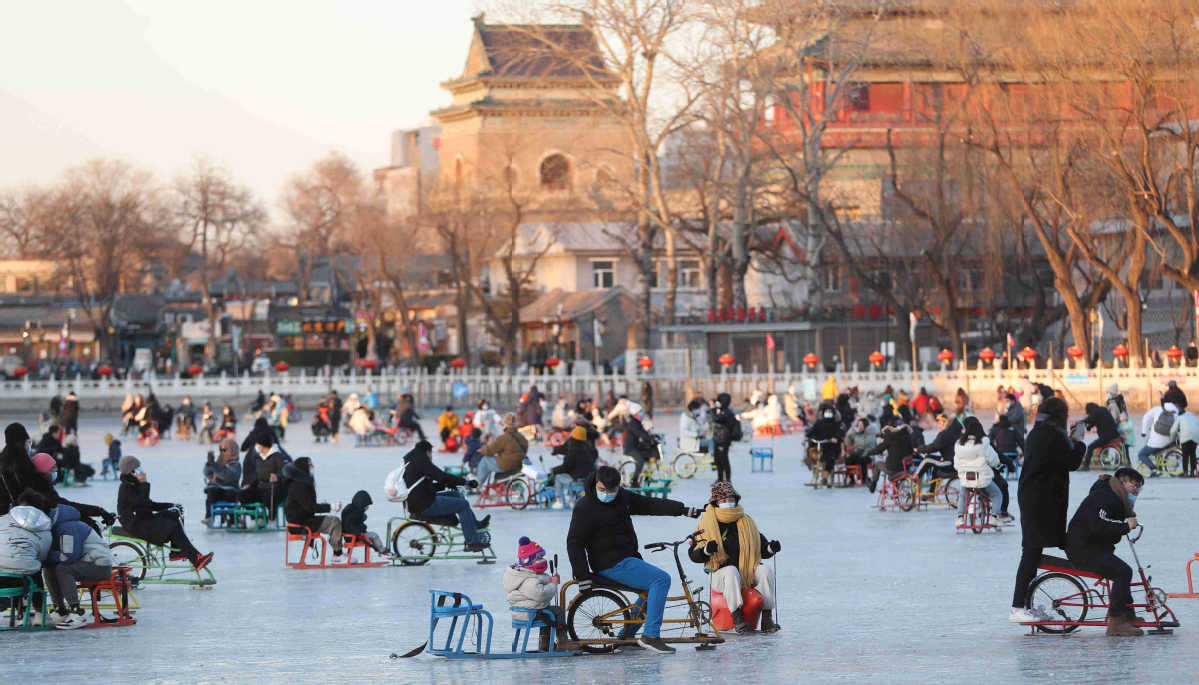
(579,433)
(530,555)
(721,490)
(127,465)
(44,463)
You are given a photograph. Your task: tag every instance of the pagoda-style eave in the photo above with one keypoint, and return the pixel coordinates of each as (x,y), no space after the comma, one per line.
(459,85)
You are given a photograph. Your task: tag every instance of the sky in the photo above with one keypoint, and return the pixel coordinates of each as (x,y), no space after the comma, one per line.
(262,87)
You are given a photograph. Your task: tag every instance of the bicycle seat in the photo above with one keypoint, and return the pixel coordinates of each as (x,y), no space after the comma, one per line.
(1063,564)
(435,520)
(600,581)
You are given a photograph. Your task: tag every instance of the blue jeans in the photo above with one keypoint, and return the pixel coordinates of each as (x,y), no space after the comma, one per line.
(637,573)
(1143,455)
(486,467)
(451,503)
(563,485)
(991,492)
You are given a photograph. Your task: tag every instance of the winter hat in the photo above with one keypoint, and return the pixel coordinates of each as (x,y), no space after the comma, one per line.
(530,555)
(303,464)
(108,439)
(265,439)
(1054,409)
(423,446)
(579,433)
(44,463)
(722,489)
(127,465)
(15,434)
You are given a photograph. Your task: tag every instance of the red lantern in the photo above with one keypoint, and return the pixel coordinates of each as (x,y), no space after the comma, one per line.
(20,371)
(195,370)
(104,370)
(645,363)
(1174,353)
(1120,351)
(987,355)
(811,360)
(726,360)
(877,358)
(458,363)
(1074,351)
(282,366)
(552,362)
(1028,354)
(945,355)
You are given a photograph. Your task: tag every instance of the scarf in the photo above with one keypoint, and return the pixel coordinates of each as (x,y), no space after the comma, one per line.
(748,538)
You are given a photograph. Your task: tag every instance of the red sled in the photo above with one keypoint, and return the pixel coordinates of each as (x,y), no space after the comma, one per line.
(751,609)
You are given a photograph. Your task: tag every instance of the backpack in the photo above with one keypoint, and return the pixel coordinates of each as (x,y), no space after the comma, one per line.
(735,432)
(1164,422)
(394,483)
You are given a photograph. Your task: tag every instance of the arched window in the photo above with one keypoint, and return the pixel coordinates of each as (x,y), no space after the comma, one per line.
(555,173)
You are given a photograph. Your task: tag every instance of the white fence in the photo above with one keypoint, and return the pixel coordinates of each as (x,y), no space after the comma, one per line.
(463,387)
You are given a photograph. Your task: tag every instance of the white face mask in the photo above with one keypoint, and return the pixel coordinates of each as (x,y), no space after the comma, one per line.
(727,505)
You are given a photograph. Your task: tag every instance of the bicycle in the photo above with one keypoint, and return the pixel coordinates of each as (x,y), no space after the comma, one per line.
(976,517)
(514,490)
(1062,586)
(933,490)
(1166,460)
(897,493)
(1112,455)
(596,617)
(655,468)
(686,463)
(815,463)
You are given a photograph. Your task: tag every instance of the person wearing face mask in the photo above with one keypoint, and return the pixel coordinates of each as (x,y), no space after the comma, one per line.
(303,509)
(262,472)
(602,546)
(1103,517)
(18,472)
(732,549)
(726,429)
(827,428)
(155,522)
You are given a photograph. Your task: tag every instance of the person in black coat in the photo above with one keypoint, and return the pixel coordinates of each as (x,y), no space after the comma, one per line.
(18,473)
(266,463)
(601,542)
(302,508)
(1006,441)
(72,461)
(578,462)
(1103,517)
(1099,419)
(410,420)
(723,433)
(221,476)
(828,429)
(898,445)
(431,494)
(353,520)
(69,414)
(638,444)
(1044,492)
(155,522)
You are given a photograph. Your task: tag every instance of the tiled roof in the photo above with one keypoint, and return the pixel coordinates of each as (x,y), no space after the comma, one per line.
(540,51)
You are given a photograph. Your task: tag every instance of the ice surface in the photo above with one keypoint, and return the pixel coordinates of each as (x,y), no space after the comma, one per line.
(865,596)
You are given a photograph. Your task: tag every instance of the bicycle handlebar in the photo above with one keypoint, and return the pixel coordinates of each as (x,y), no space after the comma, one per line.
(659,546)
(1138,531)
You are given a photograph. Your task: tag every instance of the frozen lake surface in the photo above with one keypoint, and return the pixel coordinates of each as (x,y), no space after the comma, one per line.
(865,596)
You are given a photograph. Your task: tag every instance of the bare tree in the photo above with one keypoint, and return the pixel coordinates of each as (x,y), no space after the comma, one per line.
(318,204)
(21,219)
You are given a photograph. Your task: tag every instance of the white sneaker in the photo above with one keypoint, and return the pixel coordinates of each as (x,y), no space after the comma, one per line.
(1020,615)
(993,520)
(961,521)
(341,558)
(72,620)
(557,504)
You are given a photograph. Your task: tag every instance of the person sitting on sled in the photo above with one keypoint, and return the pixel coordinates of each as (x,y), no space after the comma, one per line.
(1104,516)
(529,587)
(732,549)
(601,542)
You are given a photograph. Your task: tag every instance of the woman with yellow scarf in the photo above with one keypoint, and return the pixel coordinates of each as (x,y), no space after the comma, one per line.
(732,549)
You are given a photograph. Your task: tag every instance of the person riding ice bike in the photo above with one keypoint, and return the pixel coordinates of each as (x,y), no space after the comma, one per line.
(602,546)
(976,464)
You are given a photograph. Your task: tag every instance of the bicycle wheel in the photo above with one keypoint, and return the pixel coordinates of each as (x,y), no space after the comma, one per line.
(129,554)
(414,543)
(1171,461)
(949,492)
(685,465)
(517,493)
(592,615)
(626,467)
(905,493)
(1061,596)
(1110,458)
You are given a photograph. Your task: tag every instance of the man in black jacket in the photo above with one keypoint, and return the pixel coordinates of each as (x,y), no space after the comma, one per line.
(602,542)
(431,494)
(1099,419)
(638,443)
(1103,517)
(262,471)
(897,441)
(722,436)
(302,509)
(221,476)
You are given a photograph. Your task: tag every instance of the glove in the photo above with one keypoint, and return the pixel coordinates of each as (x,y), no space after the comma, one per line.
(711,547)
(584,585)
(693,512)
(472,484)
(108,517)
(774,546)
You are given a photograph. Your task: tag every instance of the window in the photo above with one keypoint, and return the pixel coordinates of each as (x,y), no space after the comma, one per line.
(555,173)
(832,277)
(970,278)
(601,274)
(688,273)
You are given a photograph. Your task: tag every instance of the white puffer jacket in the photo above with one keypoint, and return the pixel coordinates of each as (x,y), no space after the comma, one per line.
(528,590)
(973,462)
(24,540)
(689,432)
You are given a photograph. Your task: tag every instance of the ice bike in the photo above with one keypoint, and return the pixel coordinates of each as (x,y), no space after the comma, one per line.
(596,617)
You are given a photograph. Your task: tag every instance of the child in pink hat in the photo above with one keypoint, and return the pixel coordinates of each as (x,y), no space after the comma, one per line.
(529,587)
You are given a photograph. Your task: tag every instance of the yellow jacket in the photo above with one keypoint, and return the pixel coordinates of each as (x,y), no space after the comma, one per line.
(447,420)
(828,391)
